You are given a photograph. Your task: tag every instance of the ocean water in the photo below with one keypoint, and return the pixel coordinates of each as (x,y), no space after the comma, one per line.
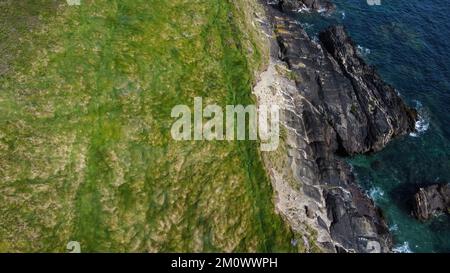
(408,41)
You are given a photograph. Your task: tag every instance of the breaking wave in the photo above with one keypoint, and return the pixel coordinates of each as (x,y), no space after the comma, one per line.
(393,228)
(303,9)
(404,248)
(376,193)
(362,51)
(423,124)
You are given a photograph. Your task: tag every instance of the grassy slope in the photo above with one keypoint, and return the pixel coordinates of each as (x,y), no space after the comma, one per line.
(85,147)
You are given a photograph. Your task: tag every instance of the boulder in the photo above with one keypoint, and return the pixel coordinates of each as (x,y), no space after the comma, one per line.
(430,201)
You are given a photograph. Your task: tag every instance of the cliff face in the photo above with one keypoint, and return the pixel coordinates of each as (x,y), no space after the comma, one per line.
(340,106)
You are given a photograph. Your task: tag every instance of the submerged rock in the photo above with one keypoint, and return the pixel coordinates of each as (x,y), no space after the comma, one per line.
(431,201)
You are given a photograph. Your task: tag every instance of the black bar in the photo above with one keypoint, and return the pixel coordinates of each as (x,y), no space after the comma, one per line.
(223,262)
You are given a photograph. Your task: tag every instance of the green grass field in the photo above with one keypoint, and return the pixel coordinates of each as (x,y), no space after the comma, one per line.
(85,147)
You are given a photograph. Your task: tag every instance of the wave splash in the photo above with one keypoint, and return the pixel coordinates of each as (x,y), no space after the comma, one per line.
(362,51)
(423,124)
(376,193)
(404,248)
(393,228)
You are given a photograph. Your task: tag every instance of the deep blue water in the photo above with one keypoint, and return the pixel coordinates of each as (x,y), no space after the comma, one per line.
(408,41)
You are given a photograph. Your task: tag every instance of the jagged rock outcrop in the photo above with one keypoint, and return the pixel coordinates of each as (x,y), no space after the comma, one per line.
(371,112)
(431,201)
(340,107)
(296,5)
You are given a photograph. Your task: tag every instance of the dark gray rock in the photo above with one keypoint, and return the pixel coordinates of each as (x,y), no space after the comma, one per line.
(431,201)
(315,5)
(342,107)
(372,112)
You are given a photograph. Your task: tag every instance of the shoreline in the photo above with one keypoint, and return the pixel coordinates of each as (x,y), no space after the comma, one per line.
(315,189)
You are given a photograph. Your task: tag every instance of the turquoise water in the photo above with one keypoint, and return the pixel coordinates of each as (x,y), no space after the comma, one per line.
(408,41)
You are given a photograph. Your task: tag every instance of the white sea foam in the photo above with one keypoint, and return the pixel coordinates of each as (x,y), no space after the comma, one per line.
(343,15)
(362,51)
(376,193)
(393,228)
(423,124)
(315,39)
(404,248)
(306,26)
(303,9)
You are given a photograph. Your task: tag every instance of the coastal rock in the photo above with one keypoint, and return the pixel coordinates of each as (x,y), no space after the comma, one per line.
(372,112)
(296,5)
(431,201)
(340,106)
